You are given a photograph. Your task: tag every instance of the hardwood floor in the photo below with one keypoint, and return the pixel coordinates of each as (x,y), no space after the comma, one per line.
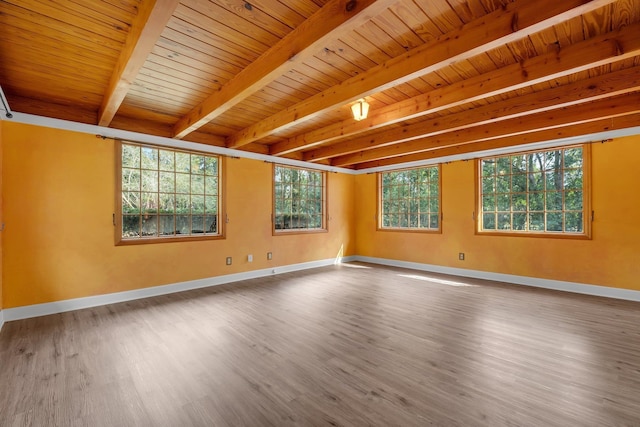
(348,345)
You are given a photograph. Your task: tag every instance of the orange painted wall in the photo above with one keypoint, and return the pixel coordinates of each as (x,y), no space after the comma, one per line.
(611,258)
(58,243)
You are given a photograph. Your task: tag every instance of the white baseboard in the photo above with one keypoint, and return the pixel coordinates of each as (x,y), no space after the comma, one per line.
(45,309)
(558,285)
(24,312)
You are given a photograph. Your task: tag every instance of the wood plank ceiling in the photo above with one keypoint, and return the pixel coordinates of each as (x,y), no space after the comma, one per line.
(278,77)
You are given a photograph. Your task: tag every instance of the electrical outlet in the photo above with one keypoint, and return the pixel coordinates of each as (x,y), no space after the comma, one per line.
(250,258)
(269,256)
(461,256)
(228,260)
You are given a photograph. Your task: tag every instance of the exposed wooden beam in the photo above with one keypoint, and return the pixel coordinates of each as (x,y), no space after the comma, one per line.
(152,18)
(600,50)
(334,19)
(599,87)
(622,122)
(577,114)
(515,21)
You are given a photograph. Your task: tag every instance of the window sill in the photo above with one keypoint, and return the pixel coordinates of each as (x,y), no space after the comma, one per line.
(299,231)
(168,239)
(547,235)
(410,230)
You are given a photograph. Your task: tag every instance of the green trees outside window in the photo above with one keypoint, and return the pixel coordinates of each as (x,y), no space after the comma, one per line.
(410,199)
(168,193)
(299,199)
(536,192)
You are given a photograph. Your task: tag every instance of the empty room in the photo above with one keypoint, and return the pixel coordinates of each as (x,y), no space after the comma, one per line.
(319,213)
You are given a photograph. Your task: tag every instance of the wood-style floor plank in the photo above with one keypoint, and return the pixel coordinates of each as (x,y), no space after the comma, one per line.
(347,345)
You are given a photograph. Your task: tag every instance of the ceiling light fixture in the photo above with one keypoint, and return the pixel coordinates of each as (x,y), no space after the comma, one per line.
(360,109)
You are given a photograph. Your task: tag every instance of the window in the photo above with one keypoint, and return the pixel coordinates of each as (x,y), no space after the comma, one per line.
(540,192)
(166,195)
(410,199)
(299,199)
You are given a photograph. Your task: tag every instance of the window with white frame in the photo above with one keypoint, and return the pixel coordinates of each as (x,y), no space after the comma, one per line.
(543,192)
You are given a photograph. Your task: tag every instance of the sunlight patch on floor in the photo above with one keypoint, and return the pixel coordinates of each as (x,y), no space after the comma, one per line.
(354,265)
(433,279)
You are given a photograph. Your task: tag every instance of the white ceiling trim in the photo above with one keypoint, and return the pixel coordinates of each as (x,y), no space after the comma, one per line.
(106,132)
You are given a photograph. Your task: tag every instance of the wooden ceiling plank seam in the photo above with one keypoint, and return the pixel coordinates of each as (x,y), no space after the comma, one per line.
(149,102)
(365,47)
(408,90)
(482,64)
(331,58)
(565,116)
(279,11)
(415,18)
(145,31)
(588,90)
(172,36)
(225,33)
(334,19)
(234,21)
(322,71)
(129,6)
(177,98)
(154,116)
(182,25)
(275,96)
(256,15)
(86,21)
(159,63)
(469,10)
(290,81)
(34,22)
(387,97)
(86,64)
(377,36)
(466,42)
(38,41)
(164,95)
(443,15)
(606,48)
(148,106)
(281,86)
(163,72)
(501,56)
(398,30)
(597,21)
(63,81)
(182,50)
(544,41)
(97,13)
(348,54)
(304,8)
(187,61)
(310,82)
(392,96)
(625,13)
(519,141)
(175,84)
(123,11)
